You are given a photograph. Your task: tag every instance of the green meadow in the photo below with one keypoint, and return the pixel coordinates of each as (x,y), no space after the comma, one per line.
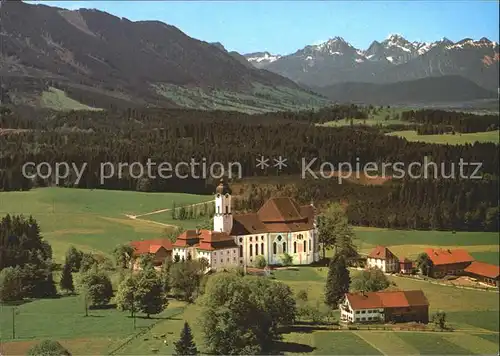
(95,220)
(449,139)
(92,220)
(109,331)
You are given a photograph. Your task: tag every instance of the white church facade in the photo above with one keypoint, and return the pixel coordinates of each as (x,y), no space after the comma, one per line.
(281,226)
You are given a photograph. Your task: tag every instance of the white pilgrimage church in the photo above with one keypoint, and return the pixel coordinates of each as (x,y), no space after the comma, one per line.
(280,226)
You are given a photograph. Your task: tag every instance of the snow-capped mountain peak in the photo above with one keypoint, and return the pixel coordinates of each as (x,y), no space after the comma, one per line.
(261,59)
(335,46)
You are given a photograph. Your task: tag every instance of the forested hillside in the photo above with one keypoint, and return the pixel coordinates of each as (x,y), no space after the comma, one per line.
(173,136)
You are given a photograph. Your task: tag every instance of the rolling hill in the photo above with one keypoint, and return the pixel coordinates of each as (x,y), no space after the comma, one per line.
(445,89)
(101,60)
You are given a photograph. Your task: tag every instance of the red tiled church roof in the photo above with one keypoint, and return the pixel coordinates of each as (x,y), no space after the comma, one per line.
(276,215)
(382,253)
(387,299)
(445,256)
(483,269)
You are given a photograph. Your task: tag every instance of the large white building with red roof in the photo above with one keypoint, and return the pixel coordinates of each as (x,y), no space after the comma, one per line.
(280,226)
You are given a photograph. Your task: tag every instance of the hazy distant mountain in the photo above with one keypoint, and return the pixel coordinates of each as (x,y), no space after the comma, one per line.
(95,54)
(445,89)
(392,60)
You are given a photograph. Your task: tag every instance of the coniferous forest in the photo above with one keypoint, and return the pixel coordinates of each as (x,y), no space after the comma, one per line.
(179,135)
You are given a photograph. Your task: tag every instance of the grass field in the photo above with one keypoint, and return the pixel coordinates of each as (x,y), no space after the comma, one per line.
(457,139)
(92,220)
(58,100)
(105,331)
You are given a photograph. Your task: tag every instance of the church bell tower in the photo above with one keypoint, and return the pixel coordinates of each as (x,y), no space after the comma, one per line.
(223,218)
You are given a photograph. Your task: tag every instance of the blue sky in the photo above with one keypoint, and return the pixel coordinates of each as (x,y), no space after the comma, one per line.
(285,26)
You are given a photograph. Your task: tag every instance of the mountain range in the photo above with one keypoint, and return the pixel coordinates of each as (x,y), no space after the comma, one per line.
(392,60)
(90,58)
(100,59)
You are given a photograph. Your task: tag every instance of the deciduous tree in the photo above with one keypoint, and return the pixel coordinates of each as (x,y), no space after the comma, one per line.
(123,255)
(370,280)
(97,287)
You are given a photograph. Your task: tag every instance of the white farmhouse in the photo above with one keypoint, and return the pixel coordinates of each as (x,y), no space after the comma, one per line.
(382,258)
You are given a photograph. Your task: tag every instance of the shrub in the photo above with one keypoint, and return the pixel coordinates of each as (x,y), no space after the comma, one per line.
(48,348)
(260,262)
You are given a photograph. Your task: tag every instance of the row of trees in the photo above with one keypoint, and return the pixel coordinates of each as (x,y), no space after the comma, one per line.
(456,121)
(191,212)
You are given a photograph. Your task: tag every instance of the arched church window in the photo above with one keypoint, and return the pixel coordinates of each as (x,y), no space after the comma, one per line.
(241,239)
(295,247)
(241,251)
(279,238)
(227,209)
(256,249)
(262,248)
(251,250)
(227,195)
(218,210)
(310,245)
(250,238)
(284,247)
(305,246)
(218,195)
(274,248)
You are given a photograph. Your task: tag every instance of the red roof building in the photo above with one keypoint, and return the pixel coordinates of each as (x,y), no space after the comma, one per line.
(159,248)
(385,306)
(218,248)
(405,265)
(381,257)
(448,262)
(484,272)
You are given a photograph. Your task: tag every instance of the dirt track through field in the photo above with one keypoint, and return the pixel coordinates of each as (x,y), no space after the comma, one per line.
(169,209)
(136,217)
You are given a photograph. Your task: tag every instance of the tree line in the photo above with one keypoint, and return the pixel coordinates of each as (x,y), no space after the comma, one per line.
(440,121)
(173,136)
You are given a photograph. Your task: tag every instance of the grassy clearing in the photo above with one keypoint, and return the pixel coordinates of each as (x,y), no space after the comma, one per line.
(58,100)
(388,343)
(487,256)
(457,139)
(341,343)
(452,299)
(99,333)
(486,320)
(432,344)
(91,220)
